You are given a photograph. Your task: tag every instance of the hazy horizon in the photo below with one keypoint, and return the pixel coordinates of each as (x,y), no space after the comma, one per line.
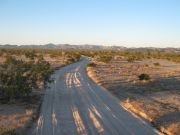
(130,23)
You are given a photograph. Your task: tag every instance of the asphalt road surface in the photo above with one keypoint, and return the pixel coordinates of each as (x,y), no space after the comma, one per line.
(75,105)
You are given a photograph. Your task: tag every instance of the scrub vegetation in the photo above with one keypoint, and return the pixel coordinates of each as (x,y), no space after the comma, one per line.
(18,78)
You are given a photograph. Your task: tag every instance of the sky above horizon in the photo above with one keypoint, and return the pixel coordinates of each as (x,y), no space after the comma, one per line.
(130,23)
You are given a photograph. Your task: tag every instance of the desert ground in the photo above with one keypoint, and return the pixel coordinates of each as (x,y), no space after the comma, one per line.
(17,116)
(156,100)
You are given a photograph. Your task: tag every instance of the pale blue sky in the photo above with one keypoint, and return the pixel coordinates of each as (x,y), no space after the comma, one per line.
(108,22)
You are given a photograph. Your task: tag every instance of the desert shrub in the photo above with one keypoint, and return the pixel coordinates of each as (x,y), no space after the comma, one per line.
(146,65)
(72,56)
(70,60)
(131,58)
(53,55)
(30,54)
(104,58)
(144,77)
(18,78)
(156,64)
(91,64)
(1,52)
(76,56)
(7,131)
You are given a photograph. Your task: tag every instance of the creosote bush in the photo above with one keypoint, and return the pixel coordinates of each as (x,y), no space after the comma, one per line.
(18,78)
(131,59)
(157,64)
(144,77)
(104,58)
(91,64)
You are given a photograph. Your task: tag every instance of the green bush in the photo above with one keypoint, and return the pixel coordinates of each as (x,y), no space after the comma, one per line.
(144,77)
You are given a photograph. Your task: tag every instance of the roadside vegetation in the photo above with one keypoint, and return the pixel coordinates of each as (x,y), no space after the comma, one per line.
(131,55)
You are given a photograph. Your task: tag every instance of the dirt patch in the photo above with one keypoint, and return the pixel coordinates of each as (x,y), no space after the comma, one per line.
(157,100)
(17,116)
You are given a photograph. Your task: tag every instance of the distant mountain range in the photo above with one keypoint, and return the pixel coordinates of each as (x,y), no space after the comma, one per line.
(93,47)
(64,46)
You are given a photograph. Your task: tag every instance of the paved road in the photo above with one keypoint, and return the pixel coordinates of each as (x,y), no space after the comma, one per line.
(75,105)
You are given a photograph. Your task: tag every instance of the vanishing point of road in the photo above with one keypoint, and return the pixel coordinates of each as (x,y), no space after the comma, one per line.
(75,105)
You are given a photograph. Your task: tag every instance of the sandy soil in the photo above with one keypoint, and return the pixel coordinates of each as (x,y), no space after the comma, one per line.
(157,100)
(16,117)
